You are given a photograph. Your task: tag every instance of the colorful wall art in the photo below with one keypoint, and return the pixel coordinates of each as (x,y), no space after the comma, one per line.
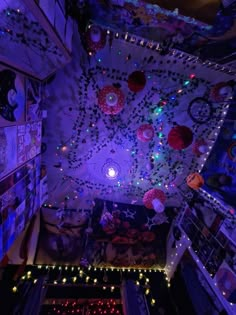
(12,97)
(18,144)
(19,200)
(117,234)
(62,236)
(29,141)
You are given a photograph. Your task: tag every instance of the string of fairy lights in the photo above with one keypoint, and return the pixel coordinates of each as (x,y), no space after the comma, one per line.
(90,307)
(91,276)
(154,45)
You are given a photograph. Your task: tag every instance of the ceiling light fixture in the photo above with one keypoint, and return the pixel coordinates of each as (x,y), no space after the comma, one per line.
(111,169)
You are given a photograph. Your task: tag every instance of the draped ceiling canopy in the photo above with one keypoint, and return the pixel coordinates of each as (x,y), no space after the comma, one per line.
(127,119)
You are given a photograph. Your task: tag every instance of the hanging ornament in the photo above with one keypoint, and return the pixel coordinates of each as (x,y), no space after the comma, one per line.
(145,133)
(221,92)
(155,199)
(180,137)
(136,81)
(111,100)
(195,181)
(95,38)
(200,147)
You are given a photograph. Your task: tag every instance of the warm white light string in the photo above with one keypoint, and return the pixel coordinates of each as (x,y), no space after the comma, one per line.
(154,45)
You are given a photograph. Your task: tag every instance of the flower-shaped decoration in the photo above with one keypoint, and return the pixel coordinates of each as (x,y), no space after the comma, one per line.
(136,81)
(155,199)
(180,137)
(145,133)
(200,147)
(221,92)
(95,38)
(111,100)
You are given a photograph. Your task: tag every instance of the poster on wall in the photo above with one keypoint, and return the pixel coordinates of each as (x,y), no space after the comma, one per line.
(12,97)
(19,201)
(62,236)
(33,100)
(8,150)
(29,141)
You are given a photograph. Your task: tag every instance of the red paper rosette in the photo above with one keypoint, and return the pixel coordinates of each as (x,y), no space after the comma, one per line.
(152,194)
(95,38)
(136,81)
(180,137)
(111,100)
(145,133)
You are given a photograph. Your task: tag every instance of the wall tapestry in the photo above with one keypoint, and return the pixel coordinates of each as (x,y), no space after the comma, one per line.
(125,235)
